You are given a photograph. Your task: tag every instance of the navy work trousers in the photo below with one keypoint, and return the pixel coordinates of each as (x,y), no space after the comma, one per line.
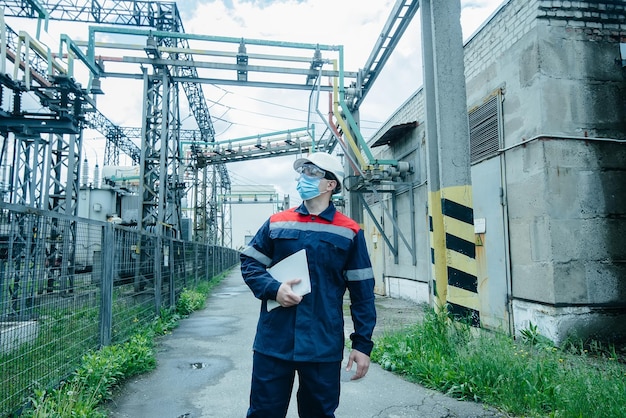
(272,383)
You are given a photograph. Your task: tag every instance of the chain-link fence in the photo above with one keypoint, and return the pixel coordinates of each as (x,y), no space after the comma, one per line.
(69,285)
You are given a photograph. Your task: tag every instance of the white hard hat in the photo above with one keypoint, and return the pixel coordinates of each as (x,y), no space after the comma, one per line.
(326,162)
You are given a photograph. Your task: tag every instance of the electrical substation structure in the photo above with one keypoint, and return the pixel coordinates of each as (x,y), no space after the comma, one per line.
(146,41)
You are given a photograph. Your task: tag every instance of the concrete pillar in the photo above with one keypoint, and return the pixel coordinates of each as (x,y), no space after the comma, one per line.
(450,197)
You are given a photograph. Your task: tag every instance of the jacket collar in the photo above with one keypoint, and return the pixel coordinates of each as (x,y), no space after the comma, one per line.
(327,214)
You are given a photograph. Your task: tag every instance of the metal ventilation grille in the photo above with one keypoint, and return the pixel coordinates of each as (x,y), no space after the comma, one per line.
(483,125)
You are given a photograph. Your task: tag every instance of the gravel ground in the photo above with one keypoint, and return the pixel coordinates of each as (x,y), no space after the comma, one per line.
(392,314)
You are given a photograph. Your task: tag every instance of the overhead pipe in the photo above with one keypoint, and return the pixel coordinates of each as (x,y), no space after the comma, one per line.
(346,130)
(329,122)
(338,94)
(177,35)
(352,123)
(355,167)
(358,144)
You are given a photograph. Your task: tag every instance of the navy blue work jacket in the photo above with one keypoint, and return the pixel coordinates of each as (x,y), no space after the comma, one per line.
(338,260)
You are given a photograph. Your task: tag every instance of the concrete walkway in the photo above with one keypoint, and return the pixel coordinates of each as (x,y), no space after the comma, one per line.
(204,370)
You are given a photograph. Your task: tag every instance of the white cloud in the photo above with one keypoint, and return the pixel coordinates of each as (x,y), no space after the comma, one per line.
(475,12)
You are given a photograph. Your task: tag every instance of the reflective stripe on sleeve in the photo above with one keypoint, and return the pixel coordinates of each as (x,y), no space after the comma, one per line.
(359,275)
(250,251)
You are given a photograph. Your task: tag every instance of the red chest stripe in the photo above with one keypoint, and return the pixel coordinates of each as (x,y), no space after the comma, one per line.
(339,219)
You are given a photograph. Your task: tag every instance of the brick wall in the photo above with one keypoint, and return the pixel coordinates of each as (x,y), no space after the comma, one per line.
(512,21)
(596,20)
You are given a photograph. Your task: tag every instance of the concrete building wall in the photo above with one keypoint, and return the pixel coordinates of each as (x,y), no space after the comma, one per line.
(565,254)
(399,277)
(250,206)
(247,219)
(557,66)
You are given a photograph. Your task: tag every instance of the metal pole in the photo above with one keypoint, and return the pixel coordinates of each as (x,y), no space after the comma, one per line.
(106,291)
(450,185)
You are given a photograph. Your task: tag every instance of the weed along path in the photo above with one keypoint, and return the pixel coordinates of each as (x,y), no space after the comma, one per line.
(204,367)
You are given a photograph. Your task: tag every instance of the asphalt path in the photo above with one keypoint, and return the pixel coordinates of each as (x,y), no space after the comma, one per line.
(204,368)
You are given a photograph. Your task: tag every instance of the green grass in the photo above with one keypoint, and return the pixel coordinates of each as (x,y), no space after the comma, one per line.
(63,336)
(529,378)
(100,372)
(93,382)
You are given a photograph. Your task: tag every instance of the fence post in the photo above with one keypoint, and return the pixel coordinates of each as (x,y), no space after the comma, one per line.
(106,283)
(173,260)
(158,271)
(195,263)
(206,259)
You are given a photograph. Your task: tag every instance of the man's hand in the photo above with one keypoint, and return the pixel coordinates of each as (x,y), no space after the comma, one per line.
(362,364)
(285,296)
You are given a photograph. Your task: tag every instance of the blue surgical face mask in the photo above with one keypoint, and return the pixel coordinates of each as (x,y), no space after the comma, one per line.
(308,187)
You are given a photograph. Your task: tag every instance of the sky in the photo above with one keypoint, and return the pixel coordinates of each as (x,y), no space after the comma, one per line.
(355,24)
(237,112)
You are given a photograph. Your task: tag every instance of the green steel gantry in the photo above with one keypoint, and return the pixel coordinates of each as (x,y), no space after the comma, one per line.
(163,58)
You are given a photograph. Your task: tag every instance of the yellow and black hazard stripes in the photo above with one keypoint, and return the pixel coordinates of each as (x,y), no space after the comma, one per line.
(460,253)
(437,250)
(453,252)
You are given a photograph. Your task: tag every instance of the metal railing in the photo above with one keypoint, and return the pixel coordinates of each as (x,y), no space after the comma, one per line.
(70,285)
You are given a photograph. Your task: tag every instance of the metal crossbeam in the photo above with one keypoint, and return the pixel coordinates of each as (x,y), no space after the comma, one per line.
(116,136)
(113,12)
(400,17)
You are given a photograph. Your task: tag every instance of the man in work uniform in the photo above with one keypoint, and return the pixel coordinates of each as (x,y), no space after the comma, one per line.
(305,334)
